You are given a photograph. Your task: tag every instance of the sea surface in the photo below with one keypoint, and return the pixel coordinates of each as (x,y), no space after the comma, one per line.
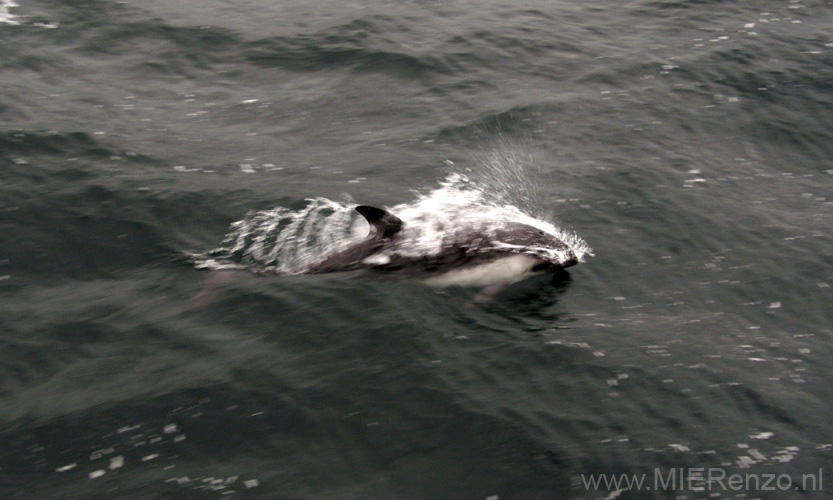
(157,341)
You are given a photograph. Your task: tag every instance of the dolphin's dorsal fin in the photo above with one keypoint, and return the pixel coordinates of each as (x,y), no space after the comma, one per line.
(385,223)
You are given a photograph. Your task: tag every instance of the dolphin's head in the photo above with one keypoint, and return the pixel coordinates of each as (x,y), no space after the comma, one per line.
(551,251)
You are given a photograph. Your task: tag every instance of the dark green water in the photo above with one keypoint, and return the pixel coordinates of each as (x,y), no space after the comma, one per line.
(689,143)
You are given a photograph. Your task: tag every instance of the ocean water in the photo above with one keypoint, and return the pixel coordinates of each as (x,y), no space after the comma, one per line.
(156,343)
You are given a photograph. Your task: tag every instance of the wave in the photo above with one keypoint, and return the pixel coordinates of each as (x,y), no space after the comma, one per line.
(306,53)
(365,44)
(21,146)
(75,143)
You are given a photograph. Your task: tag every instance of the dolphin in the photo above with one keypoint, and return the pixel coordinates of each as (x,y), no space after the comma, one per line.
(479,255)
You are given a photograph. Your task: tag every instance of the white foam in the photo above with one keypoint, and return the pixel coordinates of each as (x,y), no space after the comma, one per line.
(7,17)
(550,254)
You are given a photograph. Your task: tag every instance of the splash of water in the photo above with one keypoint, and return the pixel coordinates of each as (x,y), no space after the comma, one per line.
(284,240)
(289,241)
(460,202)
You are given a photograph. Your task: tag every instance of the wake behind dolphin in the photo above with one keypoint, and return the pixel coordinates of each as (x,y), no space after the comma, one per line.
(456,234)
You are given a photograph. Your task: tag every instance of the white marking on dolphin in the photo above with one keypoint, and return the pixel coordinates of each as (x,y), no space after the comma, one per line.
(492,256)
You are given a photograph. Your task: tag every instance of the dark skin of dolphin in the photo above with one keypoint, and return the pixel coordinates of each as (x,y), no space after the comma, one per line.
(464,247)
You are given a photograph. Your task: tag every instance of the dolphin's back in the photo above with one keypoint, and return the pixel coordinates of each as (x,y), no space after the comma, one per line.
(384,226)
